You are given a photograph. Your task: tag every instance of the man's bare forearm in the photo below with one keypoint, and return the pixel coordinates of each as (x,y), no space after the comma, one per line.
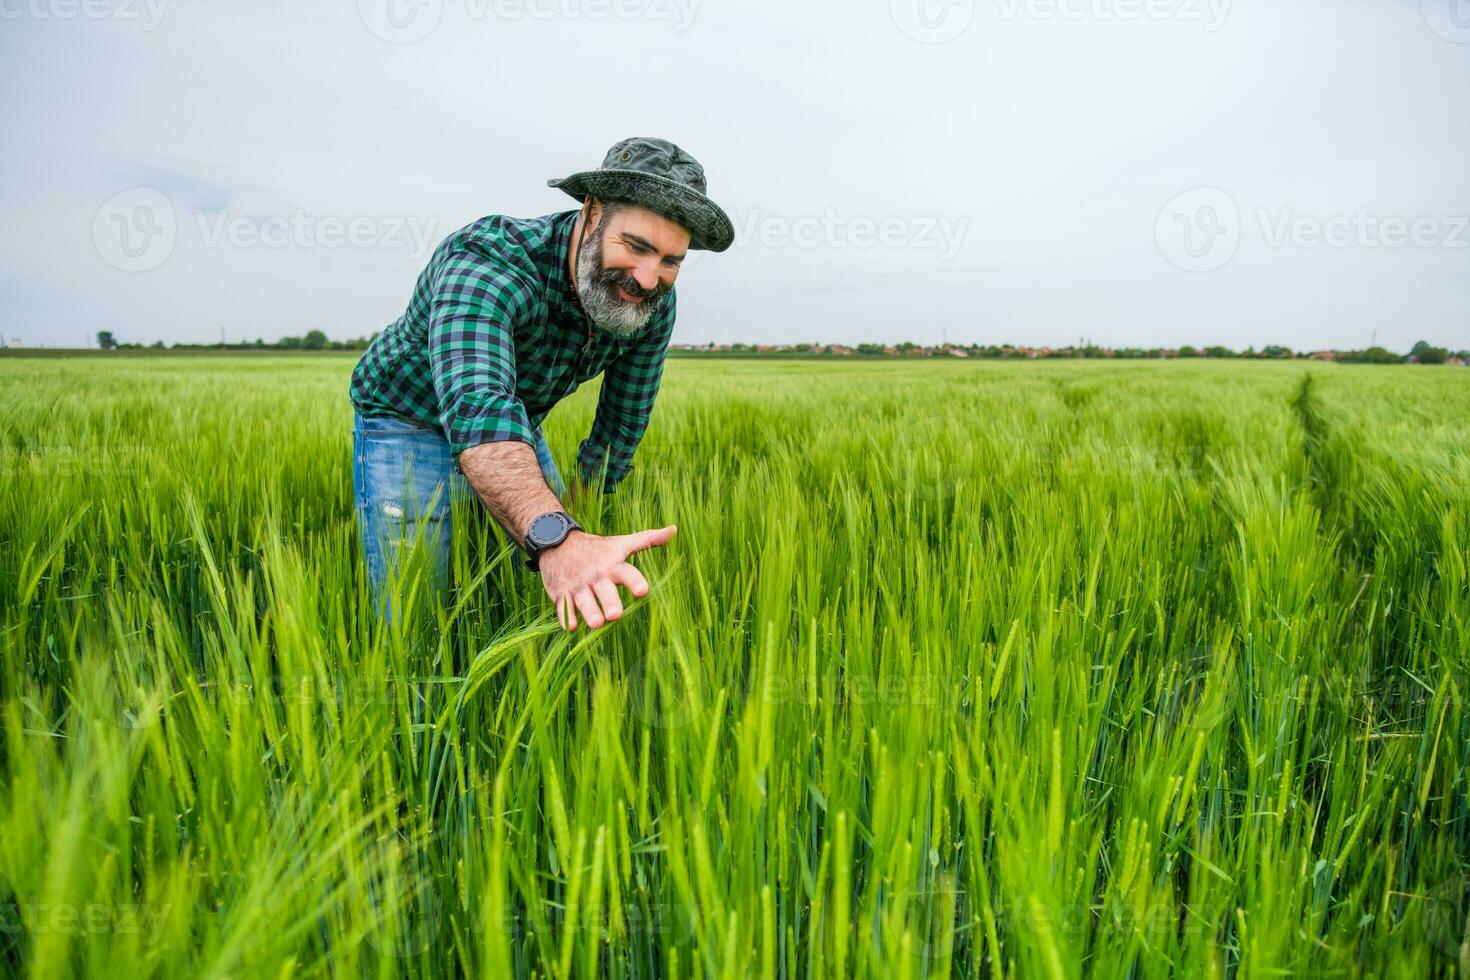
(507,477)
(583,573)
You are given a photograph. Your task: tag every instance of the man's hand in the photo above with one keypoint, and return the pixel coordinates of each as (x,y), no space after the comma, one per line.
(586,569)
(583,571)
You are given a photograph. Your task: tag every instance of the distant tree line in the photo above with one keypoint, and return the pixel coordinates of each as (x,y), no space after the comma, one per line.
(314,340)
(1422,352)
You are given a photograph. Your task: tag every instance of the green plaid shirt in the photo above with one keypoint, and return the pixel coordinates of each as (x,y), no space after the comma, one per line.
(494,337)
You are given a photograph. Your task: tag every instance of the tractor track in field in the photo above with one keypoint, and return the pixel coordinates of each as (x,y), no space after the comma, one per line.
(1325,477)
(1314,433)
(1354,538)
(1328,471)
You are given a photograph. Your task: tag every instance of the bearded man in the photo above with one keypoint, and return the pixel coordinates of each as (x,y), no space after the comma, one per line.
(509,317)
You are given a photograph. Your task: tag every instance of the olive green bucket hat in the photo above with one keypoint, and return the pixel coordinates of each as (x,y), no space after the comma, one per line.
(657,175)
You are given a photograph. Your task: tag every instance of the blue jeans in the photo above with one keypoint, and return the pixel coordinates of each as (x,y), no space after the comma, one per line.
(406,481)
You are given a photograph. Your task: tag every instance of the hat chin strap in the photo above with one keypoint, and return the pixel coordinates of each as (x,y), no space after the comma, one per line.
(572,255)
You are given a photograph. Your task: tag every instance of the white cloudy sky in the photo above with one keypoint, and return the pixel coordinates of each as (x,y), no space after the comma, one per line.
(989,170)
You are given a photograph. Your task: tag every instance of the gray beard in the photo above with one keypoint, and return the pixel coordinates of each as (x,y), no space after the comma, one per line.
(600,301)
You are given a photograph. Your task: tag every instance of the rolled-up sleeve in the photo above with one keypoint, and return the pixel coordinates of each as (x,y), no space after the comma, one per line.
(472,318)
(625,404)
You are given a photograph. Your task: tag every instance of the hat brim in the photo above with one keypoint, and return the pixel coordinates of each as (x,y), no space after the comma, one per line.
(709,227)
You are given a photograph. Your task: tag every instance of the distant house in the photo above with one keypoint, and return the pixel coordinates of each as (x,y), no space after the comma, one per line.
(15,343)
(839,349)
(1324,355)
(1455,360)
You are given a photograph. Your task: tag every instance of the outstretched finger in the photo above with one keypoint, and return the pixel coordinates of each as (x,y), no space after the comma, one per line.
(641,540)
(587,606)
(629,577)
(607,594)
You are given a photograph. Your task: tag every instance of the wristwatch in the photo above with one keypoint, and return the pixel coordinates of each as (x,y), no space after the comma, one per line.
(547,531)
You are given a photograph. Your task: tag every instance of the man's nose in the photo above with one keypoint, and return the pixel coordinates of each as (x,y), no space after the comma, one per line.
(646,274)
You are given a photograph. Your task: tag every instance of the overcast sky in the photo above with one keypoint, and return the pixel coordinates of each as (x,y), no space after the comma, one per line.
(1139,172)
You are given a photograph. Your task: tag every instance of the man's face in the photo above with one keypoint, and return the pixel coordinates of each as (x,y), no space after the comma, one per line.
(627,263)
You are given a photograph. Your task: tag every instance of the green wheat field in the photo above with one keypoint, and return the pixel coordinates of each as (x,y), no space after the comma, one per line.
(954,669)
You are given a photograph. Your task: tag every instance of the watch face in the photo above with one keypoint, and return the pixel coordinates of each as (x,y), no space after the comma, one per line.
(547,529)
